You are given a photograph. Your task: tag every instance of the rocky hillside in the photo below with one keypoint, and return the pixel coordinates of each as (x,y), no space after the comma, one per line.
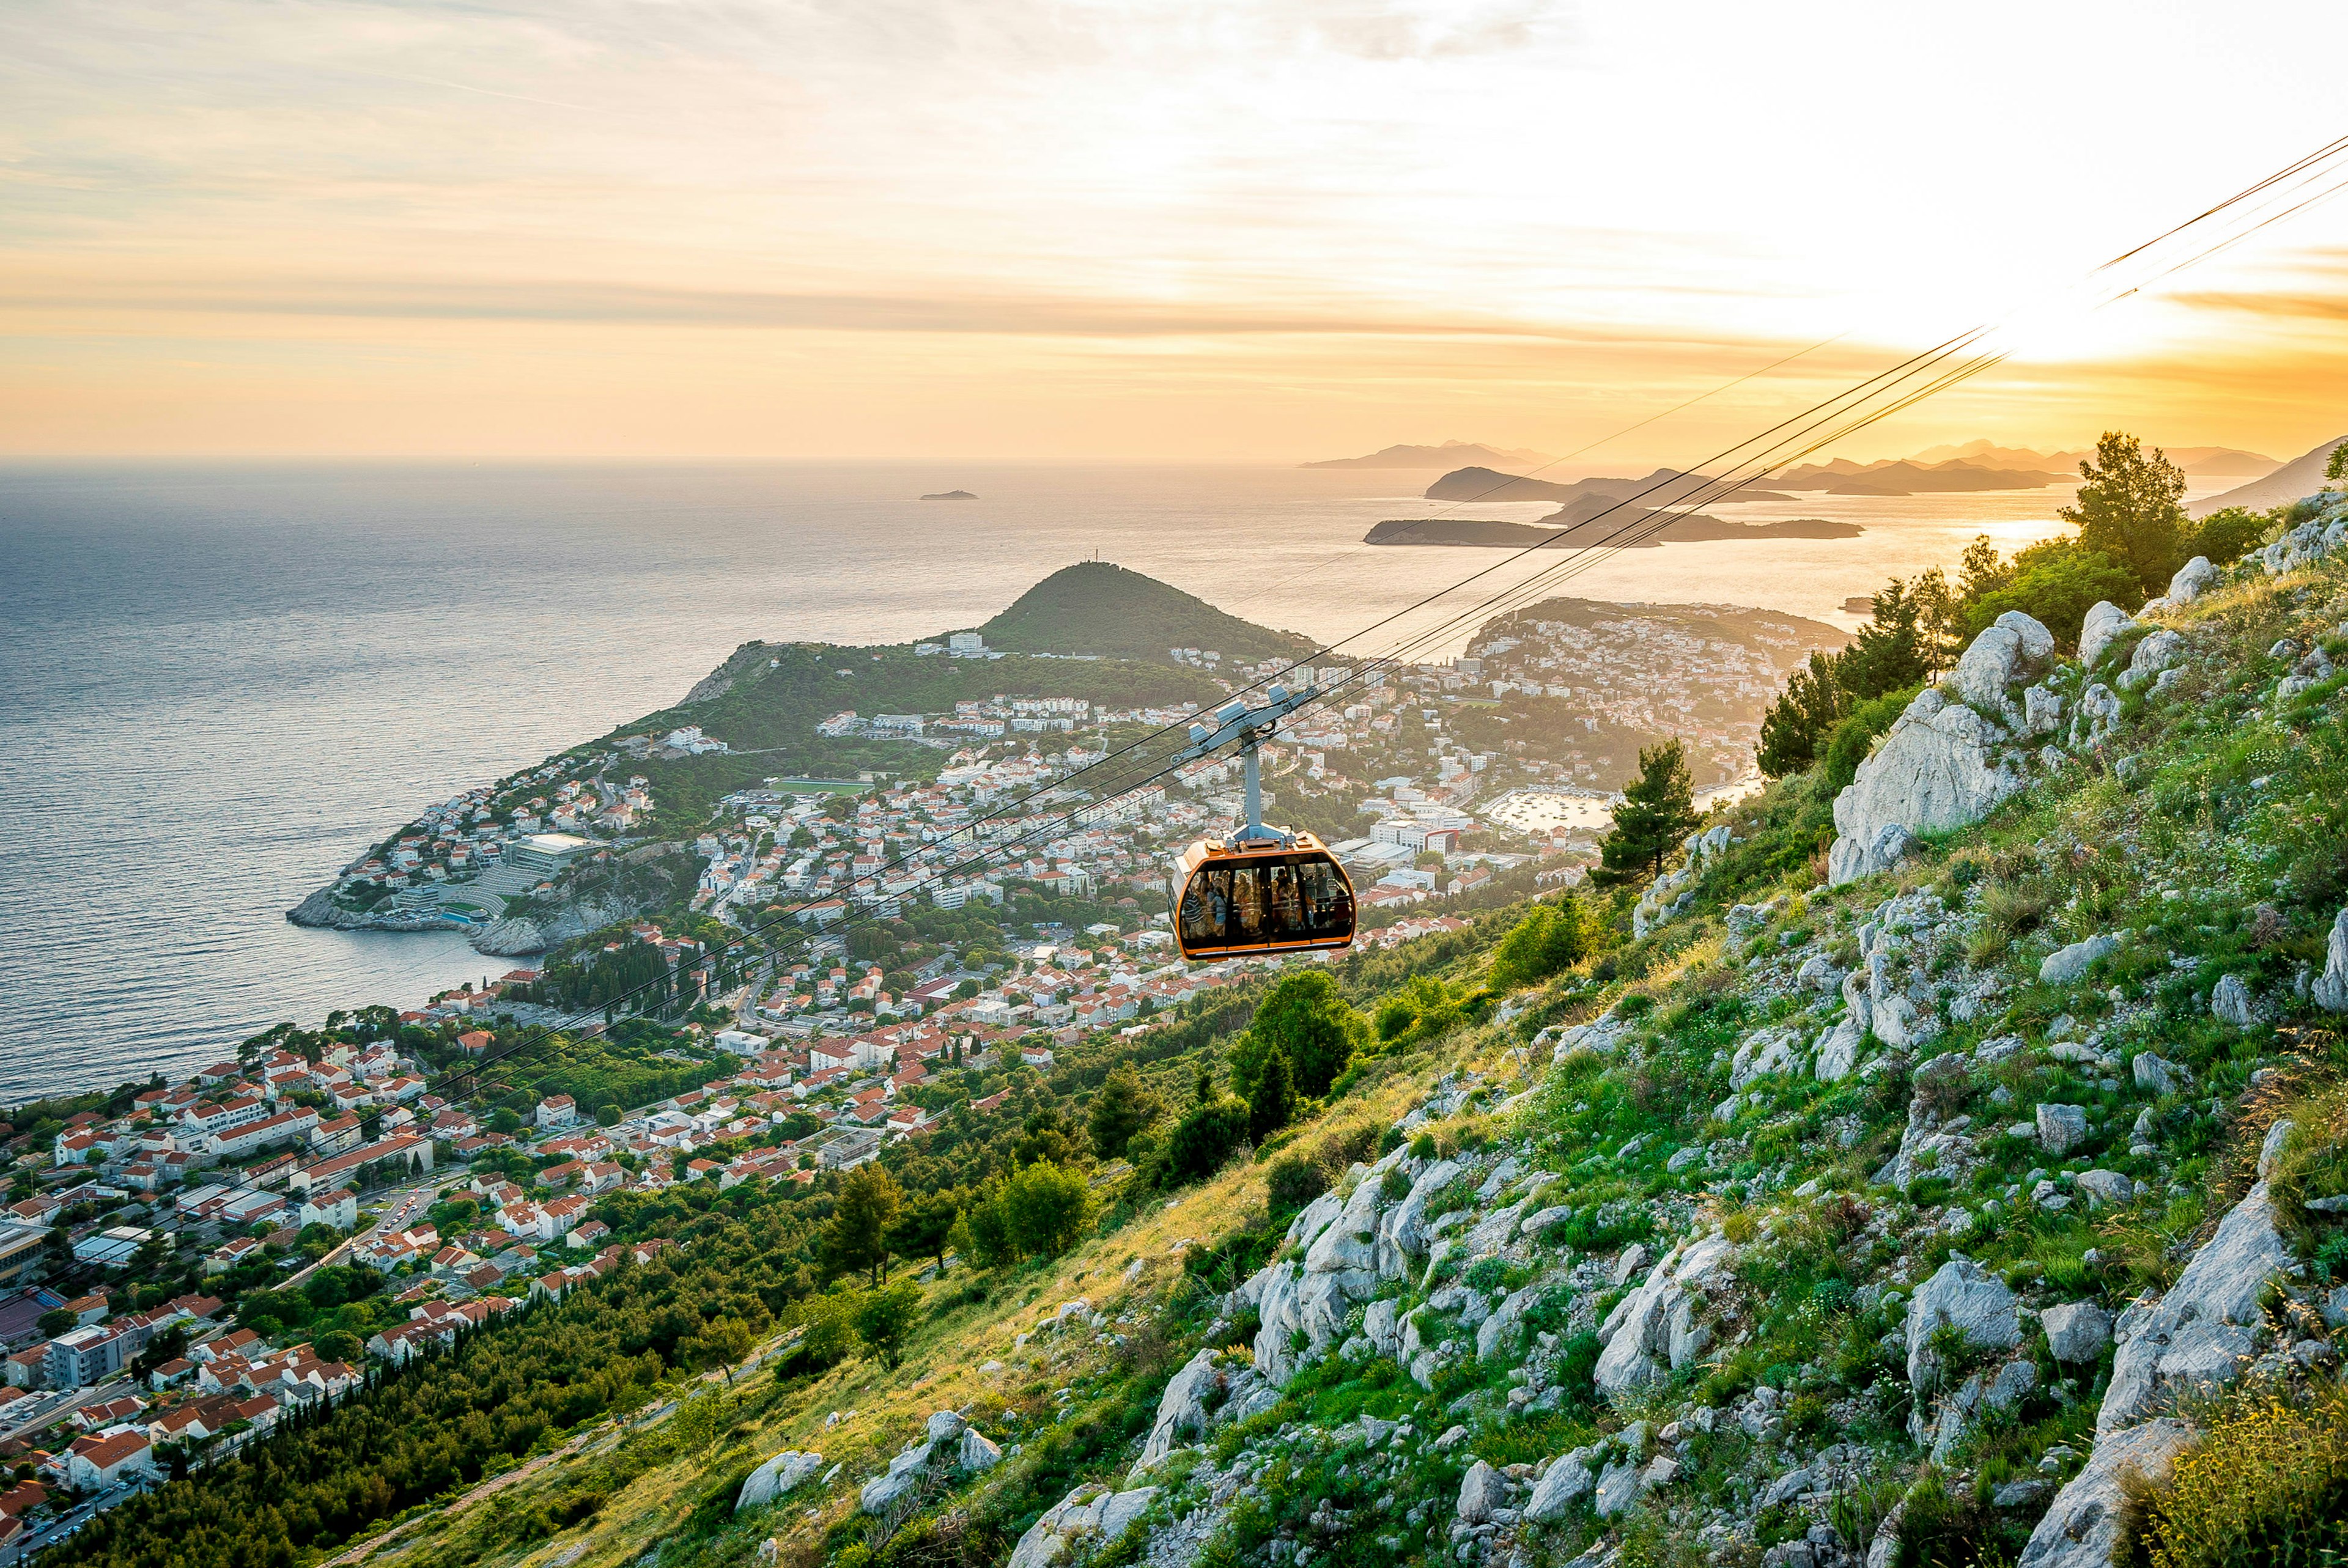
(1954,1171)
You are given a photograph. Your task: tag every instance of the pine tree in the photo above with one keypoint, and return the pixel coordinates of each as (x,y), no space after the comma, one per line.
(1271,1103)
(1657,811)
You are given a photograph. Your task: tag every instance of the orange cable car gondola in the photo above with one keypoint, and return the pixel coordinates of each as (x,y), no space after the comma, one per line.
(1262,890)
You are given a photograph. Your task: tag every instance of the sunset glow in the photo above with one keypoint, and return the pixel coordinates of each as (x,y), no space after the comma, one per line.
(1219,231)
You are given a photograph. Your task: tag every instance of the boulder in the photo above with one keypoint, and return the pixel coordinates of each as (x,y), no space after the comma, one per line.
(2041,711)
(976,1453)
(1563,1484)
(2209,1325)
(1481,1491)
(2105,622)
(1618,1488)
(1497,1335)
(1933,772)
(2099,711)
(2081,1529)
(2066,965)
(1964,1296)
(778,1477)
(1088,1516)
(2331,990)
(2007,651)
(2229,1002)
(2194,579)
(2077,1331)
(2103,1188)
(1837,1050)
(1764,1052)
(2158,1075)
(1658,1329)
(2060,1128)
(2156,653)
(1401,1233)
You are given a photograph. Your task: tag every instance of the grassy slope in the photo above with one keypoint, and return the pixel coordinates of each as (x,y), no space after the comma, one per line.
(2235,805)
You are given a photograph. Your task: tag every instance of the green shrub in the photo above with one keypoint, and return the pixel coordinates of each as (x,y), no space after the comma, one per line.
(1848,746)
(1294,1182)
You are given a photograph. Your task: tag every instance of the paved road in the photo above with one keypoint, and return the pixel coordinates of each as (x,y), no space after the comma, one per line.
(57,1529)
(408,1199)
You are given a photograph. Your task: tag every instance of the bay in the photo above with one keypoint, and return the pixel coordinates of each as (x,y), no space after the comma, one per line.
(226,679)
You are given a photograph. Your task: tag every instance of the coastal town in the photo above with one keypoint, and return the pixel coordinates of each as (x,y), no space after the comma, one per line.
(1554,700)
(149,1256)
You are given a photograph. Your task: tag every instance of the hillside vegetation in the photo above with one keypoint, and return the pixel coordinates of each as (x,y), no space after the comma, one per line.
(1984,1203)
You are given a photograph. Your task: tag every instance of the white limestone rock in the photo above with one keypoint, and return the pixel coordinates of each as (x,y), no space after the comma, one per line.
(2330,989)
(1934,771)
(1566,1482)
(1183,1407)
(2012,649)
(1618,1488)
(2158,1075)
(2156,653)
(2081,1529)
(2105,622)
(2099,711)
(778,1477)
(2194,579)
(1964,1296)
(2061,1127)
(2067,965)
(2229,1002)
(1659,1327)
(1837,1050)
(1481,1491)
(1090,1515)
(2209,1325)
(2076,1331)
(1764,1052)
(2104,1188)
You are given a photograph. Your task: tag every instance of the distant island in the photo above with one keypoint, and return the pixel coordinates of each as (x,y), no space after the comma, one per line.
(1594,520)
(1904,477)
(1450,453)
(1663,488)
(951,495)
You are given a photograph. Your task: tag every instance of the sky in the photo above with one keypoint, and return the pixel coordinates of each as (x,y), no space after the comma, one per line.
(1214,229)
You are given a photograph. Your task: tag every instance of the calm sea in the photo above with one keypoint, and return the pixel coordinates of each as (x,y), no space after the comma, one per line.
(226,679)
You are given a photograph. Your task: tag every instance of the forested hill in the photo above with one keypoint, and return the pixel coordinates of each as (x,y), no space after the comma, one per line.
(1094,607)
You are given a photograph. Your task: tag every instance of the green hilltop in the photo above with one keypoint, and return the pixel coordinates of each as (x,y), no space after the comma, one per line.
(1094,607)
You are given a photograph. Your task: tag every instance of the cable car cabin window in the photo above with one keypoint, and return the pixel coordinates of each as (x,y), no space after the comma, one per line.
(1266,901)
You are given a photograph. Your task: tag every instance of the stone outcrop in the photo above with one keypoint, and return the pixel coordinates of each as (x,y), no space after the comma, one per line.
(1661,1327)
(778,1477)
(945,1444)
(2067,965)
(2081,1529)
(1183,1408)
(1942,764)
(2076,1331)
(2106,623)
(2303,546)
(1962,1295)
(2330,989)
(2194,579)
(1566,1482)
(1089,1516)
(2156,653)
(1674,893)
(2209,1323)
